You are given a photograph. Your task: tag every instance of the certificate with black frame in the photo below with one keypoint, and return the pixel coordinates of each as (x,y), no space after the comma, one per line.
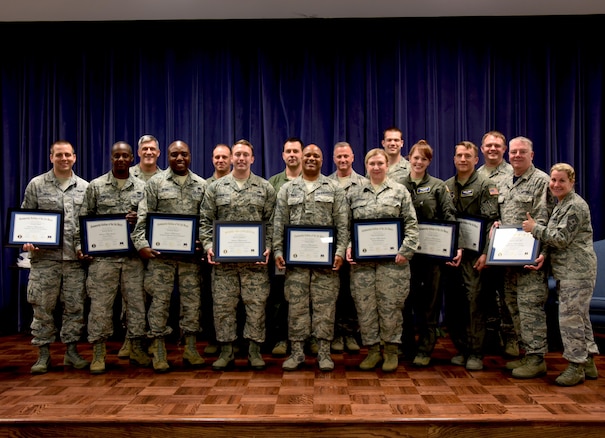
(376,239)
(172,233)
(238,241)
(42,228)
(511,246)
(309,245)
(105,235)
(471,232)
(438,239)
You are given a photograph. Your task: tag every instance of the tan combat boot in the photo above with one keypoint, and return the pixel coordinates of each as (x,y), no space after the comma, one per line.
(391,358)
(573,375)
(191,356)
(125,349)
(137,355)
(43,363)
(225,359)
(160,361)
(297,356)
(324,359)
(372,359)
(73,358)
(97,366)
(255,360)
(535,366)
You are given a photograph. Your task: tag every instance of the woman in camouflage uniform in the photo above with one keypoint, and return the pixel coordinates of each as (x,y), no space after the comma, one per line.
(380,288)
(569,240)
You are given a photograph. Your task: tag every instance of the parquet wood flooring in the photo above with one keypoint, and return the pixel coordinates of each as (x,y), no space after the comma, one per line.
(440,400)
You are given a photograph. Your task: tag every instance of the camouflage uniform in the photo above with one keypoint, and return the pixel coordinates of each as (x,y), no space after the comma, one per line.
(431,200)
(498,317)
(277,306)
(108,274)
(569,240)
(525,290)
(323,204)
(163,194)
(346,314)
(224,200)
(56,273)
(464,297)
(380,288)
(137,172)
(399,171)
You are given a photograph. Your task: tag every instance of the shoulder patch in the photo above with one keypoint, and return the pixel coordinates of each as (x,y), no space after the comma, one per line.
(494,191)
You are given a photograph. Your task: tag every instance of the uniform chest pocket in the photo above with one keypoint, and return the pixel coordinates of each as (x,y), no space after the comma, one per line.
(324,198)
(358,203)
(296,200)
(525,200)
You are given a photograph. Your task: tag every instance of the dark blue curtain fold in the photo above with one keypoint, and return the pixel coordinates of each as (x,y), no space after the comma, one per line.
(208,82)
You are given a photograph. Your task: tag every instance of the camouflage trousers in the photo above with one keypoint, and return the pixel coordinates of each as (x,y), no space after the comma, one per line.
(379,291)
(49,281)
(160,279)
(574,319)
(525,293)
(311,294)
(229,283)
(106,276)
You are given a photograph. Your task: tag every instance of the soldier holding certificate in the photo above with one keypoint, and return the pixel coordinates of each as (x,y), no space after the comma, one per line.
(475,197)
(239,197)
(380,287)
(116,192)
(57,274)
(526,287)
(315,200)
(176,190)
(432,201)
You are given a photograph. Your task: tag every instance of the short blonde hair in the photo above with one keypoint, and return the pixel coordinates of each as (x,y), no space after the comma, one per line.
(373,152)
(564,167)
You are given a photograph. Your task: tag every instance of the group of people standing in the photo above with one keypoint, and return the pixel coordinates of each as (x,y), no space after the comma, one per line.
(394,305)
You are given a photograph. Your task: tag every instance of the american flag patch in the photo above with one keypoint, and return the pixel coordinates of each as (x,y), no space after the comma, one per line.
(493,191)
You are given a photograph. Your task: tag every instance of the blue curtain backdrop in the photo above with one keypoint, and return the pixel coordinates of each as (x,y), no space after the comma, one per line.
(205,82)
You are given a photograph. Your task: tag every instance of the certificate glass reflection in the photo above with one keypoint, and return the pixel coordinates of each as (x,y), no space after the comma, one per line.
(309,245)
(511,246)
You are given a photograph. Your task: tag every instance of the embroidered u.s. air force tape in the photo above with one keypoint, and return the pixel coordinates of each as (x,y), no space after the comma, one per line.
(423,190)
(466,192)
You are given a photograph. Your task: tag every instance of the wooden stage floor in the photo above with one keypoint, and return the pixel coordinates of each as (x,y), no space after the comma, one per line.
(441,400)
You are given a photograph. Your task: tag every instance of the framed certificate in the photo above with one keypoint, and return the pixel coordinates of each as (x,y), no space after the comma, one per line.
(511,246)
(438,239)
(471,233)
(105,235)
(42,228)
(307,245)
(238,241)
(376,239)
(173,233)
